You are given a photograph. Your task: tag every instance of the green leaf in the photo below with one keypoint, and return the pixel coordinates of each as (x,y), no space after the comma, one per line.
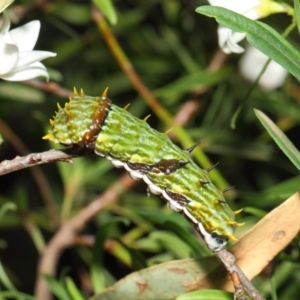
(183,55)
(20,92)
(138,261)
(6,207)
(189,239)
(259,35)
(76,14)
(297,13)
(206,294)
(172,243)
(280,138)
(108,10)
(273,195)
(57,288)
(4,279)
(190,82)
(15,295)
(97,269)
(73,290)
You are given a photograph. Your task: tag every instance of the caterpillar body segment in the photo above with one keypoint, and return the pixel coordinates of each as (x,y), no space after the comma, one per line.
(168,171)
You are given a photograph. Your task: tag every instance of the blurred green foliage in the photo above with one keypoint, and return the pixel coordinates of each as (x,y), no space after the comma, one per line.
(170,46)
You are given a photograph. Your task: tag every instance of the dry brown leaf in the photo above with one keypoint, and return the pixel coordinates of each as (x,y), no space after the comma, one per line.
(258,246)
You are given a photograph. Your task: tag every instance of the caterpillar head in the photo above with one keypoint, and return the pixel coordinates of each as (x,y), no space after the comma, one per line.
(79,121)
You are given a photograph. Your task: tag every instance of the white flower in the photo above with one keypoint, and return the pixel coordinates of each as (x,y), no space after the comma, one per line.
(251,65)
(4,4)
(252,9)
(18,61)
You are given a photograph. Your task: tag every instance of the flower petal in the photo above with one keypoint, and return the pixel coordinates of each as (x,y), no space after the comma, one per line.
(32,71)
(228,40)
(8,54)
(26,35)
(239,6)
(251,65)
(28,58)
(17,60)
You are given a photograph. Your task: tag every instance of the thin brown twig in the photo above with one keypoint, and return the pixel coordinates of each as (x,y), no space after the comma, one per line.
(217,60)
(33,159)
(84,240)
(229,261)
(215,64)
(185,112)
(238,287)
(51,87)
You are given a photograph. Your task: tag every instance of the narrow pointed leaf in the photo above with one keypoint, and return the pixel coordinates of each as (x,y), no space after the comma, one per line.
(57,288)
(259,35)
(15,295)
(297,13)
(280,138)
(73,289)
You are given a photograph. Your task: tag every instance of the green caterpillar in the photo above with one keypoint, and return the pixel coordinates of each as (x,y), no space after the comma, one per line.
(112,132)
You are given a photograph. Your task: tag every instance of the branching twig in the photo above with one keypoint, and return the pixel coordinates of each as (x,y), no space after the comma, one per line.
(51,87)
(229,261)
(33,159)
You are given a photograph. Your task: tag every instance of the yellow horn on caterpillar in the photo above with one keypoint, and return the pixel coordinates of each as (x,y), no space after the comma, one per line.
(146,118)
(75,91)
(232,237)
(127,106)
(236,212)
(104,94)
